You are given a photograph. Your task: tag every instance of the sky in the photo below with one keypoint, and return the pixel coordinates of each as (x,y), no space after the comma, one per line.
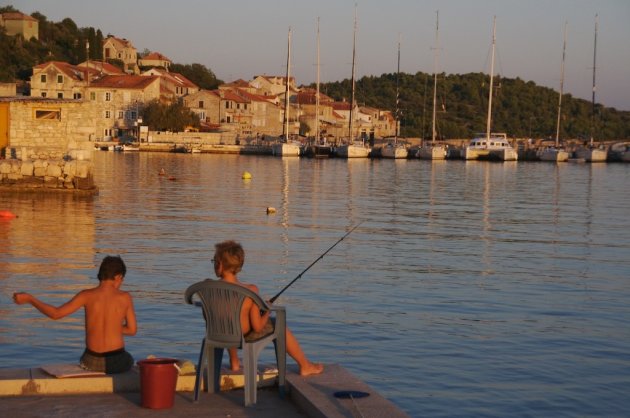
(238,39)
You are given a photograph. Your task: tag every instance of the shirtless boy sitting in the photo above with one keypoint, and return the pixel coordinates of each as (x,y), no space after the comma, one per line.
(109,315)
(228,261)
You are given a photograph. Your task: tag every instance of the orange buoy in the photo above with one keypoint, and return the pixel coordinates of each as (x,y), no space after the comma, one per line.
(171,178)
(7,214)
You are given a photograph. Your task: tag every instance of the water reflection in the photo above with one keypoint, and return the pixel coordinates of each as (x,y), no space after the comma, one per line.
(485,273)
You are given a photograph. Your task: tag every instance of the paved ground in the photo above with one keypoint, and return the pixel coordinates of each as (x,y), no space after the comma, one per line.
(127,405)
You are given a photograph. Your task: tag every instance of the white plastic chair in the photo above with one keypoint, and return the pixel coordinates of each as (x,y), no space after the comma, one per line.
(222,303)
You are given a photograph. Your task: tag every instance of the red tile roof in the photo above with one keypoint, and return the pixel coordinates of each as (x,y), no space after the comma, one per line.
(124,81)
(17,16)
(156,56)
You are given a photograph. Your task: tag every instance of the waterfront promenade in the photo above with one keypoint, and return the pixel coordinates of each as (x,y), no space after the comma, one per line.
(32,393)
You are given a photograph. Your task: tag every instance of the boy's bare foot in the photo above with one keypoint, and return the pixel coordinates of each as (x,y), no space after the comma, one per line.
(311,368)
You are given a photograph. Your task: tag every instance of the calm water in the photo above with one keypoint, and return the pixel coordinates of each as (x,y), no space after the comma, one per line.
(470,289)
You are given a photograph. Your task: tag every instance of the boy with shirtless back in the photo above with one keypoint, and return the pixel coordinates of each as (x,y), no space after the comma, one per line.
(109,315)
(228,261)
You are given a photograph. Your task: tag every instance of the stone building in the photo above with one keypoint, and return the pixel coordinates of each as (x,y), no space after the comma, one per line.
(155,59)
(60,80)
(173,86)
(44,143)
(123,50)
(16,23)
(118,101)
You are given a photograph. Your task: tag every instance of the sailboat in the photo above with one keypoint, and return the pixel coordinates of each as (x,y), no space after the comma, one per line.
(591,154)
(320,148)
(433,152)
(286,148)
(395,150)
(353,148)
(490,145)
(556,153)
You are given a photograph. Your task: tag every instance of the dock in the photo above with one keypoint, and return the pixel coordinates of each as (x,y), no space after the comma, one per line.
(34,393)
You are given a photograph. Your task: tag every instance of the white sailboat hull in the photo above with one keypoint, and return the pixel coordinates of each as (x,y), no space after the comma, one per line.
(285,150)
(394,151)
(592,155)
(554,155)
(431,153)
(352,151)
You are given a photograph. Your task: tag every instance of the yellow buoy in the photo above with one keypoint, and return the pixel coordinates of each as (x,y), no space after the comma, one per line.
(247,175)
(271,210)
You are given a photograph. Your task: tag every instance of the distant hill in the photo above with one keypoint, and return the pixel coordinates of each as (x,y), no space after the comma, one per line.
(521,109)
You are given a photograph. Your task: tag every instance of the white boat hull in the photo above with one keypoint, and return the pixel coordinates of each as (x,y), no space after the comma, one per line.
(553,154)
(496,147)
(352,151)
(431,153)
(394,151)
(592,155)
(285,150)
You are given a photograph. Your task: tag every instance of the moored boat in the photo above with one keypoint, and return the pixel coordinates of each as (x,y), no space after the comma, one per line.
(492,146)
(433,151)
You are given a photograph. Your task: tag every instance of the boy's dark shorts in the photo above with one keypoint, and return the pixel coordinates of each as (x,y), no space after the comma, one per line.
(117,361)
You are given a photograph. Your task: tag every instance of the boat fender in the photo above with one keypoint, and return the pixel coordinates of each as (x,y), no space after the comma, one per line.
(7,214)
(270,210)
(247,175)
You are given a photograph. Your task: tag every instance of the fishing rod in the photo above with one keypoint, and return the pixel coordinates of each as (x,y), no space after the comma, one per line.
(313,263)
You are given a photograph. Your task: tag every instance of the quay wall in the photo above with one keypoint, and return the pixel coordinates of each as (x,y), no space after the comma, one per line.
(47,146)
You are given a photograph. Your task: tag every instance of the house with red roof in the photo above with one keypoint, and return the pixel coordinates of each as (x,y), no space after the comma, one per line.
(118,100)
(173,85)
(155,59)
(16,23)
(60,80)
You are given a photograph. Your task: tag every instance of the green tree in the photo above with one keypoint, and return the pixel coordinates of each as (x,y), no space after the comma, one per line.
(198,74)
(168,117)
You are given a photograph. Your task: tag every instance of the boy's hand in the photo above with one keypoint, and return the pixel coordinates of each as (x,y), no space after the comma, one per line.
(21,298)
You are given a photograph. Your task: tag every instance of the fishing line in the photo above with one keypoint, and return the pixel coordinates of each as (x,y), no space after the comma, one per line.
(313,263)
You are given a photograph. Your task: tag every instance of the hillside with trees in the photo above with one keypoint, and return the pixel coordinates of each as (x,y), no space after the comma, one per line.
(522,109)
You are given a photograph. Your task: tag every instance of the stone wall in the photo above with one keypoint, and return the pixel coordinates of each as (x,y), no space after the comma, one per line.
(47,174)
(48,145)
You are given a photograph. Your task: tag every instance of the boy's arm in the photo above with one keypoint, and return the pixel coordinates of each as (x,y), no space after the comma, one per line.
(51,311)
(130,327)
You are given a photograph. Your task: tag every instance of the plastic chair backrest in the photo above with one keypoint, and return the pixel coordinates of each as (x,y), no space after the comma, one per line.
(222,303)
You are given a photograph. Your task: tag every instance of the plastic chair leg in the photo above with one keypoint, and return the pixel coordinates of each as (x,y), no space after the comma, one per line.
(200,369)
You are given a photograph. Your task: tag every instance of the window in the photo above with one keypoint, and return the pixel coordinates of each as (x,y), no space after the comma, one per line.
(108,114)
(92,95)
(202,115)
(134,115)
(59,79)
(76,96)
(60,95)
(108,97)
(200,103)
(121,114)
(48,114)
(42,78)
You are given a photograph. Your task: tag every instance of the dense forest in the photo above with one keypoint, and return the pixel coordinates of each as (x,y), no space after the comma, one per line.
(521,109)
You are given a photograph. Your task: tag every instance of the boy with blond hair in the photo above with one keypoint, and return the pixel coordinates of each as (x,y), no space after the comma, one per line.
(229,258)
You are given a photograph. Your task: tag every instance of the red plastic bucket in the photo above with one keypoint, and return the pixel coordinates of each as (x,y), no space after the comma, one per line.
(158,379)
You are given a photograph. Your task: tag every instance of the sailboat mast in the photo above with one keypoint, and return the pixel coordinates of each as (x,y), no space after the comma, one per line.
(286,94)
(489,121)
(397,131)
(354,42)
(564,47)
(594,85)
(435,58)
(317,90)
